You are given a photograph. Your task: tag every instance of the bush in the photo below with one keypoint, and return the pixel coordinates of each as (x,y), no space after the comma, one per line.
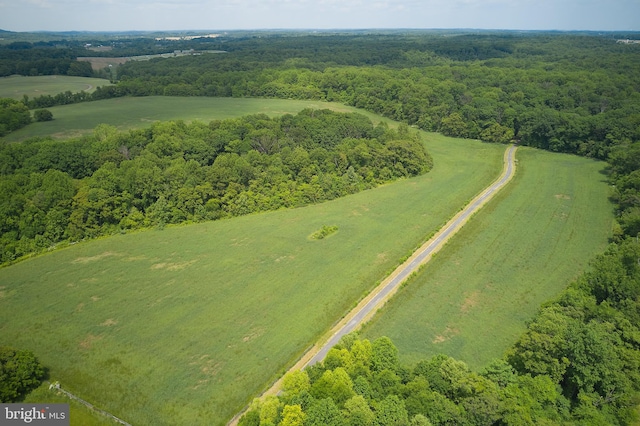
(43,115)
(324,232)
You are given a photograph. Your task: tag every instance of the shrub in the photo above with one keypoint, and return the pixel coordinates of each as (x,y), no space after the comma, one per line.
(325,231)
(43,115)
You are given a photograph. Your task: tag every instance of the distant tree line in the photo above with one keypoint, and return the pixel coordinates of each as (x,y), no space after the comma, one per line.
(561,93)
(54,191)
(28,59)
(59,57)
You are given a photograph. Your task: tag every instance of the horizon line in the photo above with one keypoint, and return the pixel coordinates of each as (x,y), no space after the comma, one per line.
(310,29)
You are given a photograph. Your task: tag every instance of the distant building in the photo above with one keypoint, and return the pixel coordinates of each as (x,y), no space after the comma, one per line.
(187,37)
(628,41)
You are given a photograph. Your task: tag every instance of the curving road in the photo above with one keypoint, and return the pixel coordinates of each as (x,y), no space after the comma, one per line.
(377,298)
(369,305)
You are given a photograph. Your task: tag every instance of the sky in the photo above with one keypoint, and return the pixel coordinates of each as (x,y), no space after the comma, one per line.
(163,15)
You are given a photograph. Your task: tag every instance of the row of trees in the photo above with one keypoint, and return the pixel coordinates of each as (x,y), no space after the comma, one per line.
(625,179)
(53,191)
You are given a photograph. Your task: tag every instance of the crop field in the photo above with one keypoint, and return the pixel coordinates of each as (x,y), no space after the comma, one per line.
(101,62)
(185,325)
(472,300)
(17,86)
(127,113)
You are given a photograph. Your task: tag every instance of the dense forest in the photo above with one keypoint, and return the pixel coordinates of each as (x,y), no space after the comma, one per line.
(579,360)
(566,93)
(58,55)
(574,94)
(173,172)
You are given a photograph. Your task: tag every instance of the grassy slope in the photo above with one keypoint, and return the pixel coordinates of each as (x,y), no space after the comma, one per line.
(126,113)
(16,86)
(471,302)
(185,325)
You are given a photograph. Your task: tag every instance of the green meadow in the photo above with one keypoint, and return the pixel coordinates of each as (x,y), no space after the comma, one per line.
(127,113)
(17,86)
(472,300)
(186,324)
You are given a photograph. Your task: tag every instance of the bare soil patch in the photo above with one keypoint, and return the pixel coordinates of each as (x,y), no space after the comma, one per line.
(447,334)
(88,342)
(173,266)
(99,63)
(109,323)
(84,260)
(471,301)
(562,197)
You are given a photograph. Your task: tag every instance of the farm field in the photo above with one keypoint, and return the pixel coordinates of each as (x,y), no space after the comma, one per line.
(127,113)
(185,325)
(16,87)
(472,300)
(101,62)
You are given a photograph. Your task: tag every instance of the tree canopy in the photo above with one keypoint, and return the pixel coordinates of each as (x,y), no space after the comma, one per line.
(13,115)
(565,92)
(20,372)
(54,191)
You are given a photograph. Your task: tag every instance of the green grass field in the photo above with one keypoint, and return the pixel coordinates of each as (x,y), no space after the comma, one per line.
(79,415)
(473,299)
(185,325)
(17,86)
(127,113)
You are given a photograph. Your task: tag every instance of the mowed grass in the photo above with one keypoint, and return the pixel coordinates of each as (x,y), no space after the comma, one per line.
(185,325)
(16,86)
(128,113)
(473,299)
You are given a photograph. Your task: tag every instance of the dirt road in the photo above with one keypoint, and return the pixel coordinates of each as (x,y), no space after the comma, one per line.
(388,287)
